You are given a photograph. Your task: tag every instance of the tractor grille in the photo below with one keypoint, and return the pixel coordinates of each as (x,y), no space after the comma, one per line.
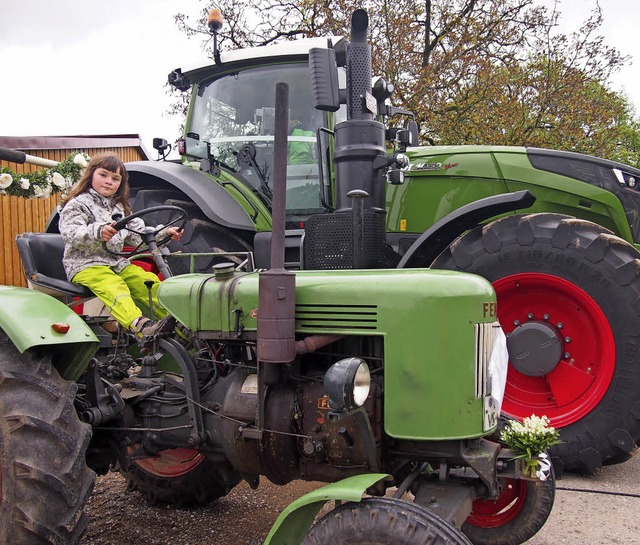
(485,339)
(337,317)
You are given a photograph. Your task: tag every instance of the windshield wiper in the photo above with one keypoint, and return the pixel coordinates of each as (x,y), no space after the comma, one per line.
(246,157)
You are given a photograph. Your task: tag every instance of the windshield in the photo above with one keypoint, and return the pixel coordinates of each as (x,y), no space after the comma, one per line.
(235,114)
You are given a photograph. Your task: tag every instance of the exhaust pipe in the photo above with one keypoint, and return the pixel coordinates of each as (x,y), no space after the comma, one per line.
(277,290)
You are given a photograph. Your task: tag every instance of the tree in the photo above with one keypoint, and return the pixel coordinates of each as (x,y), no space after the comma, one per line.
(472,71)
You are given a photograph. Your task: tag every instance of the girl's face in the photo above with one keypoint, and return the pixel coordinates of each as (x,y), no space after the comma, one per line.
(106,182)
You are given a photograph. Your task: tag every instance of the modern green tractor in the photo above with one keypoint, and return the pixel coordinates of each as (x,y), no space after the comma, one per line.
(564,265)
(385,383)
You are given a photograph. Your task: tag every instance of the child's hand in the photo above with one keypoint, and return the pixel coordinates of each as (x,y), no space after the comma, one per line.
(174,233)
(107,232)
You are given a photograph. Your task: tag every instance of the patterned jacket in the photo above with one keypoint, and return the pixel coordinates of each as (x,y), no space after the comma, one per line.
(81,222)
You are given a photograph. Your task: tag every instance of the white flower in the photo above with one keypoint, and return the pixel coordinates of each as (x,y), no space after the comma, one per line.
(80,160)
(46,192)
(59,180)
(5,180)
(24,183)
(37,192)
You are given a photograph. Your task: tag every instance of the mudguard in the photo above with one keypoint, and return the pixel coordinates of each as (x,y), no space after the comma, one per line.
(26,316)
(294,522)
(434,240)
(216,203)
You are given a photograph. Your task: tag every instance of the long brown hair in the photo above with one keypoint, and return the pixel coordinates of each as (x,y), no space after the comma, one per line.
(112,163)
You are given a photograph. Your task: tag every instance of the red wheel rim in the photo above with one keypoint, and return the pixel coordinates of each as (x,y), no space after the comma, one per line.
(171,463)
(495,513)
(578,383)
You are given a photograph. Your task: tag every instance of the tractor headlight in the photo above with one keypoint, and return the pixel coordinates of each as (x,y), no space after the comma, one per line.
(347,383)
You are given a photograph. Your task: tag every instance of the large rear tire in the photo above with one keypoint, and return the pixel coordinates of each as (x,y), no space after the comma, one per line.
(44,479)
(200,234)
(178,476)
(515,516)
(567,298)
(383,521)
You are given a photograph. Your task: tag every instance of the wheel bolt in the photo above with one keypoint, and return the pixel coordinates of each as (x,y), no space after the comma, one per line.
(567,355)
(516,323)
(567,339)
(530,316)
(546,317)
(559,325)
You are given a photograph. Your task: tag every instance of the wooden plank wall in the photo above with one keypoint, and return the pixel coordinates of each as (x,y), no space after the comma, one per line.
(18,215)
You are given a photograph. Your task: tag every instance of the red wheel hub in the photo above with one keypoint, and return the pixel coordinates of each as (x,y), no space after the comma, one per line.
(495,513)
(583,368)
(171,463)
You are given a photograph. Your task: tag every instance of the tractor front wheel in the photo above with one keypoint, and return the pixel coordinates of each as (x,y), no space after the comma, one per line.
(379,521)
(567,299)
(44,479)
(515,516)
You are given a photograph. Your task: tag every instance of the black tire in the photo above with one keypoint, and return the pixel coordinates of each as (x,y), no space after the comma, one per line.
(44,479)
(383,521)
(200,234)
(180,477)
(516,516)
(590,281)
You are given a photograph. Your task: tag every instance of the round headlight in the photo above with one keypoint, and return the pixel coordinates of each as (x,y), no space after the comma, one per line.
(347,383)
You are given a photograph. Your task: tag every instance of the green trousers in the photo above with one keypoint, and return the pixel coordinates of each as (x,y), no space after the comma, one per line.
(124,294)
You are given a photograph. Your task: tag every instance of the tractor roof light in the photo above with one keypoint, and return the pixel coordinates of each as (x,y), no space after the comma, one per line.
(214,21)
(347,383)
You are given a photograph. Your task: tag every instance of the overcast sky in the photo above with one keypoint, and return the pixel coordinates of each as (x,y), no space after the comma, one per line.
(71,67)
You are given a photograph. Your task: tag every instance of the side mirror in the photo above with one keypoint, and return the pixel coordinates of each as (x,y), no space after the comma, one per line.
(412,127)
(324,79)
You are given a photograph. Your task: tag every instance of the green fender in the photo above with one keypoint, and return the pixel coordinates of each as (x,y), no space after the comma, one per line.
(294,522)
(26,316)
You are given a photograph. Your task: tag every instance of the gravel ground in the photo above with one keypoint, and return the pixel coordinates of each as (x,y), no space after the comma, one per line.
(243,517)
(600,510)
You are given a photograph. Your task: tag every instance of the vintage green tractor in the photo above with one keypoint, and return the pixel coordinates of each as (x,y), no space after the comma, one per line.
(565,267)
(385,383)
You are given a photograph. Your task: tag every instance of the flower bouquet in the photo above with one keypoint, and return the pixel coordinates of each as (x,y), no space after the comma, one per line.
(530,439)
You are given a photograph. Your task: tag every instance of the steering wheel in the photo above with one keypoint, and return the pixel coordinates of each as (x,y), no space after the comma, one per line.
(148,234)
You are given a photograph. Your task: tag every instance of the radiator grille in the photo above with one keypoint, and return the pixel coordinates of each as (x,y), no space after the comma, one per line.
(485,339)
(356,317)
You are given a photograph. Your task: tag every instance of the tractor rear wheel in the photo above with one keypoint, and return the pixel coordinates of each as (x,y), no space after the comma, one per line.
(44,479)
(567,292)
(178,476)
(379,521)
(515,516)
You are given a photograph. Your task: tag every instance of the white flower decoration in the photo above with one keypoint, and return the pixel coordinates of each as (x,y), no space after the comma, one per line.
(37,192)
(24,183)
(59,180)
(80,160)
(5,180)
(46,191)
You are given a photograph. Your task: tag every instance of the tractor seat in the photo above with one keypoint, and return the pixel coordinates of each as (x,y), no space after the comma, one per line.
(41,255)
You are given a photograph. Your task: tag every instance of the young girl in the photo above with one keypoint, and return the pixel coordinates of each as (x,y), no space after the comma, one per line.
(86,227)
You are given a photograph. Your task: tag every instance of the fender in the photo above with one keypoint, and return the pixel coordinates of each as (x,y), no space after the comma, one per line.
(294,522)
(210,197)
(216,203)
(441,234)
(26,316)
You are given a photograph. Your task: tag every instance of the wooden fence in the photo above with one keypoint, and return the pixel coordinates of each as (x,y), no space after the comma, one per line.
(19,215)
